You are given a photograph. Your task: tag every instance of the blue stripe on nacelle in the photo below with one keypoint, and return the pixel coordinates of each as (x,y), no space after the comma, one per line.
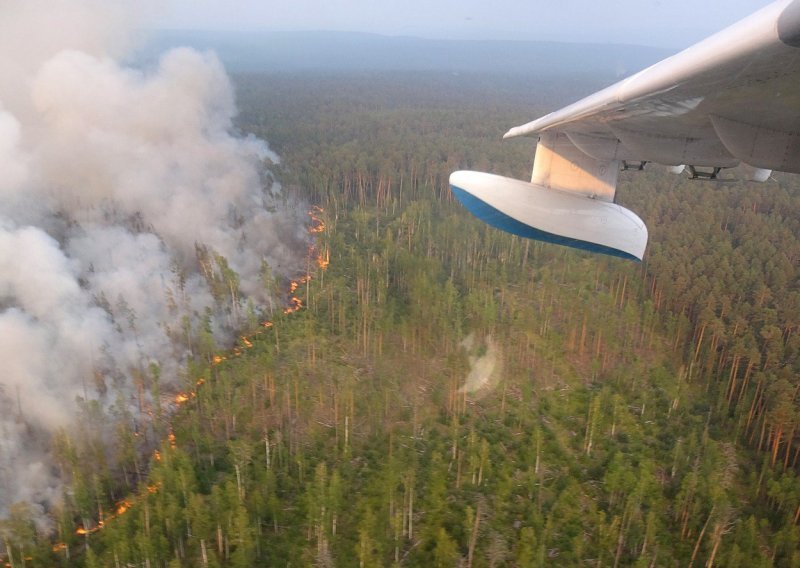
(500,220)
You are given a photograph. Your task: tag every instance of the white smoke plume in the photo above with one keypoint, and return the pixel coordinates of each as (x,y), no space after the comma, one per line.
(123,192)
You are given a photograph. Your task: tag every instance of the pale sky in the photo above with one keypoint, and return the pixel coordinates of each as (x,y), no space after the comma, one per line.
(668,23)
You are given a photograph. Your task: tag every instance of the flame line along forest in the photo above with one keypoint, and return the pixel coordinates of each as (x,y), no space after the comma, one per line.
(644,414)
(294,304)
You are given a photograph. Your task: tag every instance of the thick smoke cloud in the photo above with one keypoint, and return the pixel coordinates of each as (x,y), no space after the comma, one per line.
(124,194)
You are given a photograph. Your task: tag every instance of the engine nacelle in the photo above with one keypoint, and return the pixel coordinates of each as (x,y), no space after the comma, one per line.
(550,215)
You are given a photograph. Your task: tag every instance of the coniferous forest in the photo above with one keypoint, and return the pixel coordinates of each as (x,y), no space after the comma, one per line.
(439,393)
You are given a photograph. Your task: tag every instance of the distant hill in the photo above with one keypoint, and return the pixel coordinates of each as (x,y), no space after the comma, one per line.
(347,52)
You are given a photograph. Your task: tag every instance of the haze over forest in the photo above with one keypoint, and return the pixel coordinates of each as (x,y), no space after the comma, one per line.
(335,52)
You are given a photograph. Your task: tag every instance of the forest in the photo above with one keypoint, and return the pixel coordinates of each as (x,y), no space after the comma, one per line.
(435,392)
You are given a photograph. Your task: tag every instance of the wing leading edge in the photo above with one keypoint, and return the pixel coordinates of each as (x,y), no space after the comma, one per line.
(731,99)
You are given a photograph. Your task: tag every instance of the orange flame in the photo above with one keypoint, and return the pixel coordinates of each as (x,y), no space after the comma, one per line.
(82,531)
(123,507)
(295,304)
(317,224)
(323,262)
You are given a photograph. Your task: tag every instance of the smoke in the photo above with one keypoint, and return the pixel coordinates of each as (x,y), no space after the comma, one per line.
(129,210)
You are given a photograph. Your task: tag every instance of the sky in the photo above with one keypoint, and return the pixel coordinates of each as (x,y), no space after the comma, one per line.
(663,23)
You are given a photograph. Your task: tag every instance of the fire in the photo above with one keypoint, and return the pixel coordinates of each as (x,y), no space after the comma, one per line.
(172,441)
(323,261)
(82,531)
(183,396)
(317,224)
(123,507)
(295,304)
(157,455)
(247,342)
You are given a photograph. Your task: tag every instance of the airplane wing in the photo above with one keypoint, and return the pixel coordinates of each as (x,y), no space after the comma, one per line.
(731,99)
